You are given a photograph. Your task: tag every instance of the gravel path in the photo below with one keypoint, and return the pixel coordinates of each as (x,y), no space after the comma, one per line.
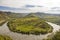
(4,30)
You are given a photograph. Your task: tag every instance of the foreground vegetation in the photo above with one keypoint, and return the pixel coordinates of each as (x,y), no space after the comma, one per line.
(29,25)
(54,37)
(5,37)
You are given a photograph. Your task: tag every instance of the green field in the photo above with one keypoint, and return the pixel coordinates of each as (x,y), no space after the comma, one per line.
(29,25)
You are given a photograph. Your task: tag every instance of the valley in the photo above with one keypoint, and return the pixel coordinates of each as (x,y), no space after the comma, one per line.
(29,26)
(4,30)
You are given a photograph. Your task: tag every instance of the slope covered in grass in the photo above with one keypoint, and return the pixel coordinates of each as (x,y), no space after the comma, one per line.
(4,37)
(54,36)
(3,17)
(29,25)
(54,18)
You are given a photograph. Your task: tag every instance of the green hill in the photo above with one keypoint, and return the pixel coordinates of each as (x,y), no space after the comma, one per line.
(29,25)
(54,18)
(7,16)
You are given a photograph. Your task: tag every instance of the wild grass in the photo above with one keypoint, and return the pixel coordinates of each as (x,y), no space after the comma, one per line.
(5,37)
(31,25)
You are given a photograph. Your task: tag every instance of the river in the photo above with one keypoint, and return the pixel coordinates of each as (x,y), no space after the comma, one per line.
(4,30)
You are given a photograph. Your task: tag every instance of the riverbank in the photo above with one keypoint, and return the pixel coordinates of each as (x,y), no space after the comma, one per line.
(17,36)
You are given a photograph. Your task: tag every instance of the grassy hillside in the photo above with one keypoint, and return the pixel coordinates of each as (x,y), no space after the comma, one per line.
(16,15)
(5,37)
(54,18)
(3,18)
(29,25)
(54,36)
(7,16)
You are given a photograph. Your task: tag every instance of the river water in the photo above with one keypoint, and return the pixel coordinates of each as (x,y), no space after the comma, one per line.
(4,30)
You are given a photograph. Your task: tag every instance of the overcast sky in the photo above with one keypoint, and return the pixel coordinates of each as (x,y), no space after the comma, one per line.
(51,6)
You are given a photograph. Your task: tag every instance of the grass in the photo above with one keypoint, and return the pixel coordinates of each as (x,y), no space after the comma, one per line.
(54,36)
(29,25)
(2,22)
(5,37)
(3,18)
(53,19)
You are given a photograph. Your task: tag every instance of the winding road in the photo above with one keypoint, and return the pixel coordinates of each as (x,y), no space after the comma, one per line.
(4,30)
